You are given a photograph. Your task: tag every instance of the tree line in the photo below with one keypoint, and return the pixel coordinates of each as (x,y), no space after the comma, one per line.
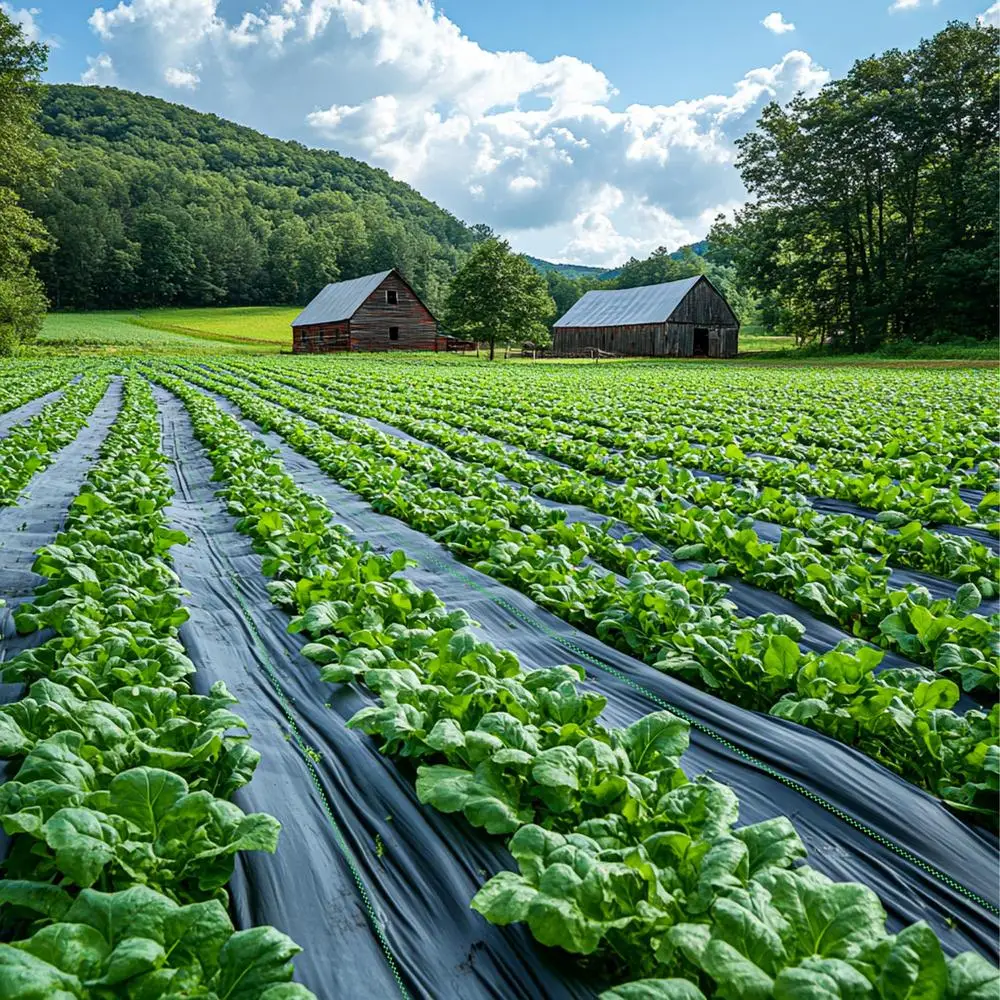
(875,211)
(873,219)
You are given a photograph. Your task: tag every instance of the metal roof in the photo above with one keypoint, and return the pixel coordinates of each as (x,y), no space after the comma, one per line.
(340,300)
(628,306)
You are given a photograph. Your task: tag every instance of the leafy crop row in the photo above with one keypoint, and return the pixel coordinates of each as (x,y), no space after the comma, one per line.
(30,383)
(123,835)
(845,585)
(31,446)
(649,483)
(648,420)
(620,855)
(679,622)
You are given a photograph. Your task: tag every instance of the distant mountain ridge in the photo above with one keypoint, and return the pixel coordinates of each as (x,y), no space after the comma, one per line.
(604,273)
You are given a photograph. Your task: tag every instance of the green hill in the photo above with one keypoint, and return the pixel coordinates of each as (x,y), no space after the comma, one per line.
(162,205)
(570,270)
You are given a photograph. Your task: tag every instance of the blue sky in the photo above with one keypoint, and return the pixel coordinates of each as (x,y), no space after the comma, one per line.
(584,130)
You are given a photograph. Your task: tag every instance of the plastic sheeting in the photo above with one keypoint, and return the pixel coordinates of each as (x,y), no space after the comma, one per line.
(418,867)
(749,599)
(908,835)
(24,412)
(34,522)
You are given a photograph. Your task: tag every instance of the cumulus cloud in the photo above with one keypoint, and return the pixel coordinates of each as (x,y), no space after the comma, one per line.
(532,147)
(25,18)
(991,16)
(100,71)
(911,4)
(776,22)
(175,77)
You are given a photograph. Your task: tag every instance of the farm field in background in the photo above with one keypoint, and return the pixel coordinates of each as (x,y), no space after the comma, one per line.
(649,633)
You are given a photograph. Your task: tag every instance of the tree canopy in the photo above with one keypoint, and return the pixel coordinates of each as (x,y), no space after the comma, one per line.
(162,205)
(499,298)
(23,164)
(875,217)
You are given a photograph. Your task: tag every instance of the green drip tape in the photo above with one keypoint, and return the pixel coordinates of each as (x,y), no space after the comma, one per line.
(304,749)
(767,769)
(901,852)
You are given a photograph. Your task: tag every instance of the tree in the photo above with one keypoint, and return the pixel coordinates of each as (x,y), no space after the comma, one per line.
(23,163)
(498,297)
(875,217)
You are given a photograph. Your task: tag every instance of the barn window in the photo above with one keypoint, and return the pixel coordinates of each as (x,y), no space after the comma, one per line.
(391,296)
(394,331)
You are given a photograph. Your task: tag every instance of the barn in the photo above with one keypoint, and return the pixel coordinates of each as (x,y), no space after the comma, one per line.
(379,312)
(681,319)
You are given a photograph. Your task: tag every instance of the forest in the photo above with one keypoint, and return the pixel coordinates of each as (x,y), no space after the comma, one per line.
(158,204)
(872,217)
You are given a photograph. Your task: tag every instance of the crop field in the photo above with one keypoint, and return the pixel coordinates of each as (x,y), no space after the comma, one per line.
(357,676)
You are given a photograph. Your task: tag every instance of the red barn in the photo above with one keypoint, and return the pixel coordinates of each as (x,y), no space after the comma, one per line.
(379,312)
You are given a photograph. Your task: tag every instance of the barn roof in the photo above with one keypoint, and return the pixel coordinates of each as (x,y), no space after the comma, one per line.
(340,300)
(628,306)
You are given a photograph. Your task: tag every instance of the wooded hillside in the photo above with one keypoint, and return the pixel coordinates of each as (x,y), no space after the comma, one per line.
(163,205)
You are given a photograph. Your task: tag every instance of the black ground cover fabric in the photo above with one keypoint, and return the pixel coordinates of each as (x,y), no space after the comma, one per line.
(751,600)
(911,835)
(420,868)
(23,413)
(35,521)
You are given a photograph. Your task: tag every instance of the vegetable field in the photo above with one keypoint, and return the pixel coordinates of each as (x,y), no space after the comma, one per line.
(416,677)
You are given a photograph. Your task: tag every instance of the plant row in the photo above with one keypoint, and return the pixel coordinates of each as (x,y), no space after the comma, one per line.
(123,832)
(620,855)
(32,446)
(920,487)
(677,621)
(24,384)
(941,433)
(950,556)
(846,585)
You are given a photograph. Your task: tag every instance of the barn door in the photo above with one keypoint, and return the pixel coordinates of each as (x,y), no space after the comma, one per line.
(700,346)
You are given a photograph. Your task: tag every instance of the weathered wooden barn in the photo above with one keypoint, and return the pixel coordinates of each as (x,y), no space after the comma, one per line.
(379,312)
(683,319)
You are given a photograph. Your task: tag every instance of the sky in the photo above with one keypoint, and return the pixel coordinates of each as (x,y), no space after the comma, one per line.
(584,131)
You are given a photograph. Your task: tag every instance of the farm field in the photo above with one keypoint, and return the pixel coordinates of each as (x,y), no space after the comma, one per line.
(637,681)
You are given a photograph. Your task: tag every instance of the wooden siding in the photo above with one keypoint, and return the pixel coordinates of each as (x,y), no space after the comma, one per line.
(575,341)
(702,308)
(370,324)
(320,338)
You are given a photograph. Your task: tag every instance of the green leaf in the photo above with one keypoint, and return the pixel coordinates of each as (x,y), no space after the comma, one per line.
(655,989)
(915,968)
(654,737)
(83,843)
(822,979)
(971,977)
(251,961)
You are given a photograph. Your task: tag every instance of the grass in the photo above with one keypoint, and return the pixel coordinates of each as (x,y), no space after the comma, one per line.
(267,329)
(169,331)
(265,326)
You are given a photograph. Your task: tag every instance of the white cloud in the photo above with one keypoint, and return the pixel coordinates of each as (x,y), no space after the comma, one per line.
(533,148)
(180,77)
(991,16)
(25,18)
(910,4)
(776,22)
(100,71)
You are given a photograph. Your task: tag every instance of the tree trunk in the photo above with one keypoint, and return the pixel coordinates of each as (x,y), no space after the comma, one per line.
(492,344)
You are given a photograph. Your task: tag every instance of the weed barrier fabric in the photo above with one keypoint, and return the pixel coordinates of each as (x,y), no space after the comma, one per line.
(23,413)
(35,521)
(766,530)
(922,860)
(419,868)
